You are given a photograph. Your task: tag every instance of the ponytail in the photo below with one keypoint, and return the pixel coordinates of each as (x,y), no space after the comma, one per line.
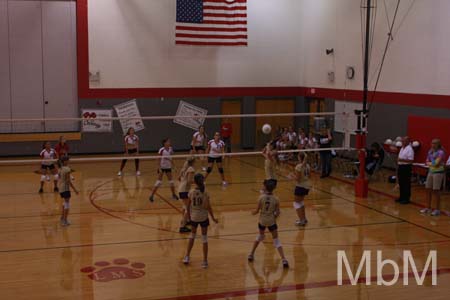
(199,180)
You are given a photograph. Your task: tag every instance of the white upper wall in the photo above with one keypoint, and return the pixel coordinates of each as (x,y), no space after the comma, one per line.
(418,60)
(131,43)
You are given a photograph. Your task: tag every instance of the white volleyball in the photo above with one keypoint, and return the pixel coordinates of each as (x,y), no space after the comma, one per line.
(266,129)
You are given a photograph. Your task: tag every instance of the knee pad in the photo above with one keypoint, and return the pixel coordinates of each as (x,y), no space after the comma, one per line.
(298,205)
(172,183)
(158,183)
(204,239)
(56,177)
(260,238)
(209,170)
(43,178)
(66,204)
(277,243)
(221,170)
(193,235)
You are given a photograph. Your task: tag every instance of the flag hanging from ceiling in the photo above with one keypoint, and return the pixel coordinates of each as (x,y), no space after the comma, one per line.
(211,22)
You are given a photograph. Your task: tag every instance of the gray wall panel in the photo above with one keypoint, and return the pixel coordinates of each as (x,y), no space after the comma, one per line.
(26,63)
(59,57)
(5,92)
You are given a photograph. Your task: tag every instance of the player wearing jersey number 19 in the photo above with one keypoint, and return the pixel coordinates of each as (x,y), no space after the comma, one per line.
(198,209)
(165,167)
(215,150)
(269,210)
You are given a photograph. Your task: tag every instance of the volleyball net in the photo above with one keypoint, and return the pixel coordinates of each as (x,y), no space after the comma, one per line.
(100,135)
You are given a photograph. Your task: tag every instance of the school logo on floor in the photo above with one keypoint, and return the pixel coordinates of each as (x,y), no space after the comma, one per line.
(120,268)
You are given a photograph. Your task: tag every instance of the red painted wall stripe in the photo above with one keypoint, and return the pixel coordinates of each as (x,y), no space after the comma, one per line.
(420,100)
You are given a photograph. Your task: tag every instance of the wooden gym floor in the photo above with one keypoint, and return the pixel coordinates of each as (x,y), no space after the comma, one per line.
(120,246)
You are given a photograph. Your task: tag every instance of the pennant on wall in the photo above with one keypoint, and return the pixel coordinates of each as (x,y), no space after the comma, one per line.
(211,22)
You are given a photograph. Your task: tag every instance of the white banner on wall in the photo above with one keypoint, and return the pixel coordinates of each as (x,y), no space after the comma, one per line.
(91,123)
(129,110)
(187,109)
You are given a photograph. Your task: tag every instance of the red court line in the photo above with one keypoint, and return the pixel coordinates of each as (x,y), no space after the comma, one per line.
(292,287)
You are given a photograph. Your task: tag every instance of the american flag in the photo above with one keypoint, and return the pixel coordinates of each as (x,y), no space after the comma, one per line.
(211,22)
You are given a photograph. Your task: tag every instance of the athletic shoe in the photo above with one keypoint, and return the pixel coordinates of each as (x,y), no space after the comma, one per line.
(426,211)
(119,173)
(175,197)
(186,260)
(185,229)
(205,264)
(56,190)
(285,263)
(62,222)
(151,198)
(301,222)
(224,183)
(204,169)
(436,213)
(250,258)
(138,173)
(68,223)
(41,190)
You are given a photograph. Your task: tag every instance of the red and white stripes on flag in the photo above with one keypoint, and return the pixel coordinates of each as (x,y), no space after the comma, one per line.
(224,23)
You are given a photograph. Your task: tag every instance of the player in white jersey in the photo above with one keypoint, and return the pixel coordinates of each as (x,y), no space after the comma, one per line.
(49,158)
(131,142)
(199,208)
(215,151)
(65,184)
(198,143)
(269,210)
(186,179)
(165,167)
(301,176)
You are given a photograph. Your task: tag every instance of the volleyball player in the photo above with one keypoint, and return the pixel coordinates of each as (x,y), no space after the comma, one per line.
(270,155)
(198,143)
(165,167)
(48,156)
(65,184)
(198,209)
(301,173)
(186,179)
(131,149)
(215,150)
(269,209)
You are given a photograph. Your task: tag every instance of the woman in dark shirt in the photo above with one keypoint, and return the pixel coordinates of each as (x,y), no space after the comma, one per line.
(325,141)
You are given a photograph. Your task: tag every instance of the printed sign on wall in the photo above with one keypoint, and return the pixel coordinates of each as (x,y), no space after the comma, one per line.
(186,109)
(132,117)
(91,122)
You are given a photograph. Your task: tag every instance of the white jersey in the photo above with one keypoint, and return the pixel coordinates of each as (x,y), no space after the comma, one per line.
(303,141)
(166,160)
(47,157)
(292,136)
(282,146)
(199,139)
(131,139)
(216,148)
(185,185)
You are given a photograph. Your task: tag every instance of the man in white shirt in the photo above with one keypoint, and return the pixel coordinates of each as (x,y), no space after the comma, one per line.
(405,161)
